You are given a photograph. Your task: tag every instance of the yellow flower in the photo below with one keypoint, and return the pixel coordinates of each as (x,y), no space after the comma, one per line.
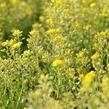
(84,10)
(33,33)
(16,45)
(104,34)
(4,44)
(84,1)
(2,5)
(11,43)
(8,43)
(51,31)
(92,5)
(17,33)
(58,39)
(50,21)
(57,62)
(13,1)
(87,80)
(26,53)
(95,56)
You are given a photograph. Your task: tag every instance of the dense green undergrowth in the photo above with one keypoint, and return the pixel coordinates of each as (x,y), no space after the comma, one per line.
(54,54)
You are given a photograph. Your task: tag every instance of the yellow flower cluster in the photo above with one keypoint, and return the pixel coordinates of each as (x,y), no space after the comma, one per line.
(104,34)
(26,53)
(57,62)
(87,80)
(84,1)
(13,1)
(2,5)
(8,43)
(16,45)
(50,21)
(58,40)
(51,31)
(17,33)
(92,5)
(95,56)
(33,33)
(12,44)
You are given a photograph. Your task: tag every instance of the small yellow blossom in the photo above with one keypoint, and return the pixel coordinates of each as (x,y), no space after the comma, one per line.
(84,1)
(84,10)
(2,5)
(26,53)
(11,43)
(13,1)
(17,33)
(8,43)
(92,5)
(104,34)
(4,44)
(33,33)
(59,39)
(50,21)
(16,45)
(87,80)
(95,56)
(51,31)
(57,62)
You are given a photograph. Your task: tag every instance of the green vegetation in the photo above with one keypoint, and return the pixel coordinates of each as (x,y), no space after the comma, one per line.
(54,54)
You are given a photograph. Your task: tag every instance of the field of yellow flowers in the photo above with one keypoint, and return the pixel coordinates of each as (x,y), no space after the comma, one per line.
(54,54)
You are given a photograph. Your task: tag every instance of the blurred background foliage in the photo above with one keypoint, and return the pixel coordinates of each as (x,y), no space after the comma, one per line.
(18,14)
